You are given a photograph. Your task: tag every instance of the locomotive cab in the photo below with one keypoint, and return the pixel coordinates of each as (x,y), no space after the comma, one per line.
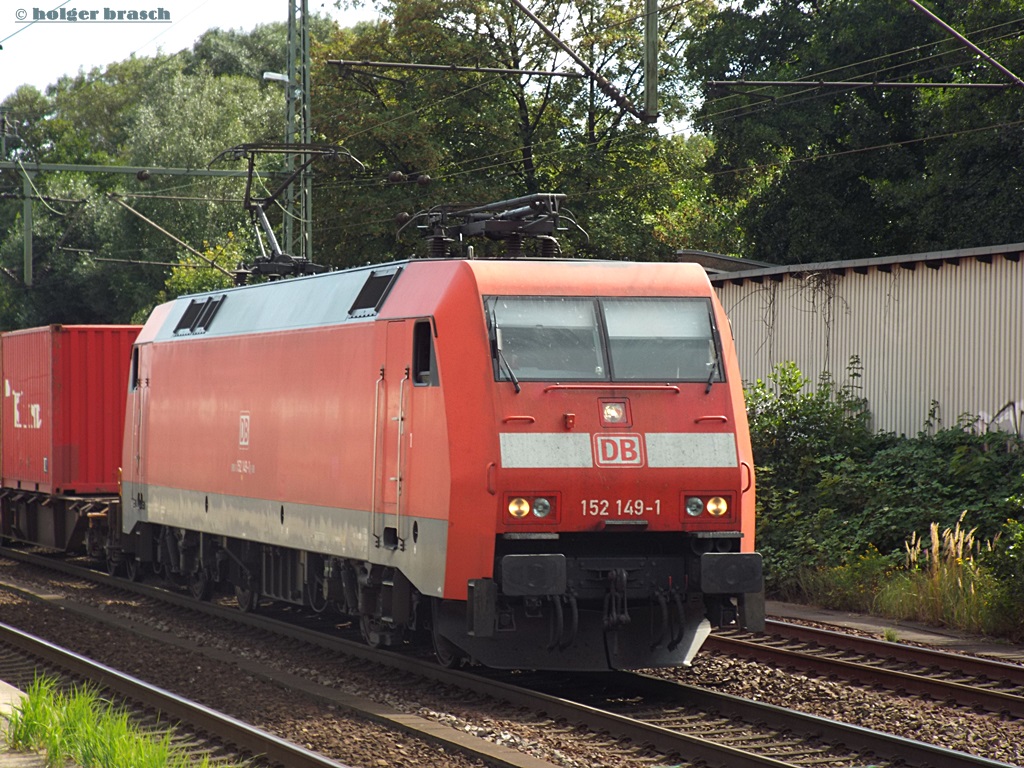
(622,492)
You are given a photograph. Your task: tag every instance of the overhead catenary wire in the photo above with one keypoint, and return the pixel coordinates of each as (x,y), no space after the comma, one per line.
(469,167)
(180,242)
(465,166)
(878,72)
(39,195)
(512,150)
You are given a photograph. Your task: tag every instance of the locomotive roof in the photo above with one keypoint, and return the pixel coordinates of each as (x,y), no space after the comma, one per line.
(358,295)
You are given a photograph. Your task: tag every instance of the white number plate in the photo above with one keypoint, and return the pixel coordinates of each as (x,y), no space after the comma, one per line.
(620,507)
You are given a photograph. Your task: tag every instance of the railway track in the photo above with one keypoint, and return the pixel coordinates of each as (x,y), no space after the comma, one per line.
(208,733)
(669,716)
(642,718)
(987,684)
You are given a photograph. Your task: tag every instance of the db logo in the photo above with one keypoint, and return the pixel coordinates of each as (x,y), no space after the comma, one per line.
(618,450)
(243,430)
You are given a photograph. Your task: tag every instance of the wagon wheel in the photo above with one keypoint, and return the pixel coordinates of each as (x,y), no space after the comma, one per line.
(247,597)
(199,584)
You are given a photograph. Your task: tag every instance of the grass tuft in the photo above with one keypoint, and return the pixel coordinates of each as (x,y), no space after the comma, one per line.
(943,581)
(82,727)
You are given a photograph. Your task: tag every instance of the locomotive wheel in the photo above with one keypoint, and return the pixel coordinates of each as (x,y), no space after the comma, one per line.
(247,597)
(449,655)
(368,630)
(315,598)
(133,569)
(199,584)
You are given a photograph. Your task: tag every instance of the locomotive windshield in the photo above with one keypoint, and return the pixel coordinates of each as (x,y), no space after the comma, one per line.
(535,338)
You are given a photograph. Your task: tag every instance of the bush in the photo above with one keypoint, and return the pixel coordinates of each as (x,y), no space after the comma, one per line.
(852,586)
(800,440)
(1005,561)
(829,488)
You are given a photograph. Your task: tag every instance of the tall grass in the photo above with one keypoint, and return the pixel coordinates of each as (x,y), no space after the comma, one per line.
(81,727)
(849,587)
(941,582)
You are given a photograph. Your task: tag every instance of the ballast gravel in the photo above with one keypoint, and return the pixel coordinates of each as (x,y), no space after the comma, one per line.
(358,742)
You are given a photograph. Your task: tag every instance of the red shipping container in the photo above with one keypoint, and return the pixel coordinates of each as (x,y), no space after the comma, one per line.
(64,389)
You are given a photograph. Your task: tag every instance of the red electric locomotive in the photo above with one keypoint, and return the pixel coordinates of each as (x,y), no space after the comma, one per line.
(545,463)
(534,463)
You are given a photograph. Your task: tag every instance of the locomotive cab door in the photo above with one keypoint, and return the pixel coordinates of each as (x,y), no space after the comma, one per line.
(134,492)
(393,398)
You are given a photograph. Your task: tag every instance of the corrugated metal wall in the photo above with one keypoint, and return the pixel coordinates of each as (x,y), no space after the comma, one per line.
(951,332)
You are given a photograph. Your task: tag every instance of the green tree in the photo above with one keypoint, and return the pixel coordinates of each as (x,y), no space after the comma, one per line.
(483,137)
(83,239)
(862,171)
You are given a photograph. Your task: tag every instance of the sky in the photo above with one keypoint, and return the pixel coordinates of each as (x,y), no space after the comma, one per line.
(39,53)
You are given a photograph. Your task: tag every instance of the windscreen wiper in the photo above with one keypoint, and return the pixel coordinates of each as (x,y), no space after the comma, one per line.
(711,377)
(511,373)
(717,341)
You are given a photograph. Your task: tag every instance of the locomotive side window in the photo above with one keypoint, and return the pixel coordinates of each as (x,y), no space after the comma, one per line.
(423,360)
(549,338)
(661,340)
(133,377)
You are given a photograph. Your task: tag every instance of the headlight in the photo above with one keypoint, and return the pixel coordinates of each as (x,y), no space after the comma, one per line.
(718,506)
(614,412)
(541,507)
(519,508)
(532,509)
(694,506)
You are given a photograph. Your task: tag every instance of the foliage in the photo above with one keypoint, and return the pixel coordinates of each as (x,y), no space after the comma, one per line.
(852,586)
(789,424)
(478,136)
(81,727)
(94,260)
(861,171)
(947,578)
(214,268)
(952,579)
(800,438)
(942,582)
(1005,561)
(829,488)
(481,137)
(696,216)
